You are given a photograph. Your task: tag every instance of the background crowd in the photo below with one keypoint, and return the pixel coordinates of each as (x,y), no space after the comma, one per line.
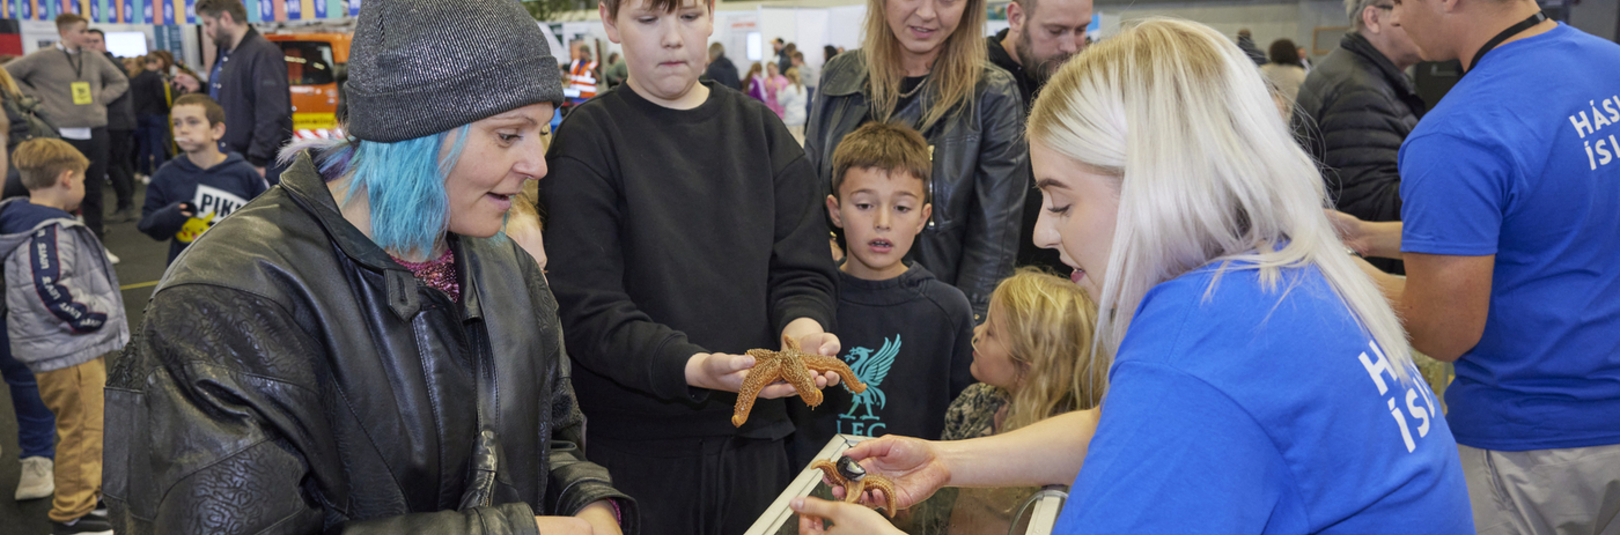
(909,207)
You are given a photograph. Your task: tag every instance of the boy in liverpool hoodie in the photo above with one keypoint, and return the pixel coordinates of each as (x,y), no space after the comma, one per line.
(189,195)
(905,334)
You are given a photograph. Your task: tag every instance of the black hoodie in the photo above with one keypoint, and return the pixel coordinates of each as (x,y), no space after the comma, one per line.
(910,339)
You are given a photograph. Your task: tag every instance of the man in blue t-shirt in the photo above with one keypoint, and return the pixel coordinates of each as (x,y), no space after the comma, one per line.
(1512,246)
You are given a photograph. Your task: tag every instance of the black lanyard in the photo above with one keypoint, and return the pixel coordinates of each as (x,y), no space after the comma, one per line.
(78,68)
(1513,30)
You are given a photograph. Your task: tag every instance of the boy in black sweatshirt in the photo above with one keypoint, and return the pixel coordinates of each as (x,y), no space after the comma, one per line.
(684,229)
(189,195)
(907,335)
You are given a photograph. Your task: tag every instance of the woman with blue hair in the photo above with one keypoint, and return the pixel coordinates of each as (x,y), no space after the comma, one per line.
(359,349)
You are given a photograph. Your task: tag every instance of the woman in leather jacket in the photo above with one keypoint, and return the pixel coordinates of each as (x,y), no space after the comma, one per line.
(358,350)
(924,65)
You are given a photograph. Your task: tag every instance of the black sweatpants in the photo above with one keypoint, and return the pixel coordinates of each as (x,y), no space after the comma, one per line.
(95,149)
(120,165)
(696,486)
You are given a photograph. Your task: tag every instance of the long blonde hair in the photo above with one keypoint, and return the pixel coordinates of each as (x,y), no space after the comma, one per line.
(954,75)
(1047,324)
(792,75)
(1206,172)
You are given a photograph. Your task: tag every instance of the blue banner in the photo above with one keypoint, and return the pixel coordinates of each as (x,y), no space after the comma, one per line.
(295,10)
(191,11)
(320,9)
(148,14)
(25,9)
(354,8)
(168,11)
(129,11)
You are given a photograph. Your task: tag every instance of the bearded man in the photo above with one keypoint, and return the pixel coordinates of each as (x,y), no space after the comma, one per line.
(1038,40)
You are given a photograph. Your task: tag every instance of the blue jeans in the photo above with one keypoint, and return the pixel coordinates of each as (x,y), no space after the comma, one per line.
(36,426)
(152,137)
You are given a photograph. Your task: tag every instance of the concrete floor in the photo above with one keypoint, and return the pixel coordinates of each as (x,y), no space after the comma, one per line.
(142,263)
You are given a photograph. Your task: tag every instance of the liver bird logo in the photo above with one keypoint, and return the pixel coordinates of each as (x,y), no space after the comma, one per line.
(872,368)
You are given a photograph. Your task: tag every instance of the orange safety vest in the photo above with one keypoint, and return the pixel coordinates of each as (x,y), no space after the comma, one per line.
(581,80)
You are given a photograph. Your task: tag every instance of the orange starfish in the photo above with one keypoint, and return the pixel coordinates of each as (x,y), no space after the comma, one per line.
(849,474)
(793,366)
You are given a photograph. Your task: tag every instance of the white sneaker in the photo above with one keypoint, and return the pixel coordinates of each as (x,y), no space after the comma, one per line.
(38,479)
(112,257)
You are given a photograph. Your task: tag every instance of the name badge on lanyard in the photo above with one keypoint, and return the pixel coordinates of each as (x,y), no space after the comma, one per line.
(81,93)
(81,90)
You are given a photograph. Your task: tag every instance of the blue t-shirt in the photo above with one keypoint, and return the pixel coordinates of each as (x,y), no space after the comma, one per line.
(1265,412)
(1522,160)
(213,77)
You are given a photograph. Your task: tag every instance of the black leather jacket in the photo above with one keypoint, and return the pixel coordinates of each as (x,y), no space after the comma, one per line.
(1354,111)
(290,377)
(981,170)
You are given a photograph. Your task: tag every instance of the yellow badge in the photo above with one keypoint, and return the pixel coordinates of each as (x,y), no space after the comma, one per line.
(81,93)
(194,227)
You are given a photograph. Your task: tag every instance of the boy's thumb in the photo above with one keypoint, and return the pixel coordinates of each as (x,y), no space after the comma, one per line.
(741,362)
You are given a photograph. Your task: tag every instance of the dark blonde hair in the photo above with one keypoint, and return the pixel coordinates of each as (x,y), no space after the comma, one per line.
(1047,323)
(954,75)
(892,148)
(41,160)
(164,57)
(67,20)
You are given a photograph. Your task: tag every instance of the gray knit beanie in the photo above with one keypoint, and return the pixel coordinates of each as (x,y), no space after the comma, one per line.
(421,67)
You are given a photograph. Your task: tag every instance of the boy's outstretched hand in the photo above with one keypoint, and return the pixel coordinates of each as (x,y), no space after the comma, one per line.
(725,371)
(846,518)
(813,339)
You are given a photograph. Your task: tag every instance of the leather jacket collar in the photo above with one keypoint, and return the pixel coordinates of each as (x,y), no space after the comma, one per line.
(309,189)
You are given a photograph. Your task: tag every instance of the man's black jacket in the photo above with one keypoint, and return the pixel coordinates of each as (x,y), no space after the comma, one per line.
(1354,111)
(257,100)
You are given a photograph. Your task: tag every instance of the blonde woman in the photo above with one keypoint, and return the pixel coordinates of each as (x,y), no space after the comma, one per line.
(1261,384)
(792,100)
(924,65)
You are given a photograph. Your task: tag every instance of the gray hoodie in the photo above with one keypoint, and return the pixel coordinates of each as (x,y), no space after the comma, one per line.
(49,73)
(62,306)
